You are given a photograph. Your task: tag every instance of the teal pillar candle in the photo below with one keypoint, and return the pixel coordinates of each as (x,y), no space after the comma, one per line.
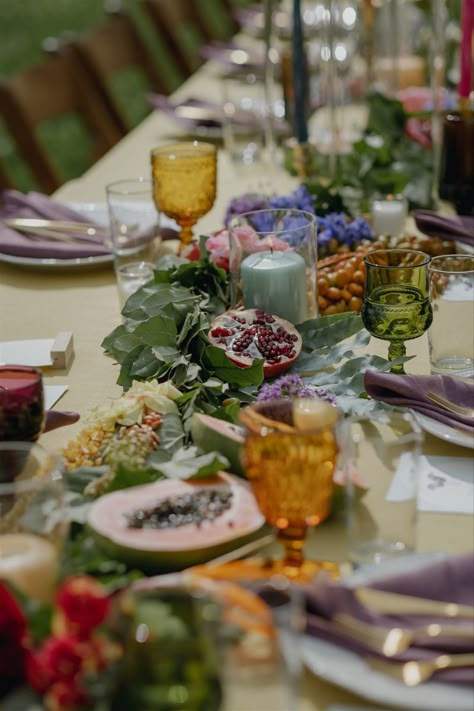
(276,282)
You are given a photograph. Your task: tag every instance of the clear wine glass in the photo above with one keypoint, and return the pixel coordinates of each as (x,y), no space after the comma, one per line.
(184,182)
(396,305)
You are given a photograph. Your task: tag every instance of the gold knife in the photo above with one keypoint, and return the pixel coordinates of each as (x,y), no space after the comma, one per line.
(88,229)
(395,604)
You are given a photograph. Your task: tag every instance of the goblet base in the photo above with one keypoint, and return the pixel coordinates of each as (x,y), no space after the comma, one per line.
(254,569)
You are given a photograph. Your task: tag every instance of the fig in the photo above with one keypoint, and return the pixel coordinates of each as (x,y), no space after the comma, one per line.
(250,334)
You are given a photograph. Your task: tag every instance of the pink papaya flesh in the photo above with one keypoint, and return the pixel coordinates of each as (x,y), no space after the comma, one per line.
(173,524)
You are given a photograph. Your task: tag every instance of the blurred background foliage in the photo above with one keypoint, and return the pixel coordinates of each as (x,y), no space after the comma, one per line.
(25,24)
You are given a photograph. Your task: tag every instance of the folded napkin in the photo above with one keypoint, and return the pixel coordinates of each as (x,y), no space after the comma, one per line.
(232,57)
(58,418)
(411,391)
(459,228)
(164,104)
(14,204)
(450,579)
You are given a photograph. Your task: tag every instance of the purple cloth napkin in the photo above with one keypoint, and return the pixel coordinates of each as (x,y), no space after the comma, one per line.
(164,104)
(227,57)
(411,391)
(451,580)
(458,228)
(58,418)
(36,205)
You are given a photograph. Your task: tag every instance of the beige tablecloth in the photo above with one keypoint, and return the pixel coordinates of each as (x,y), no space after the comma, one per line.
(38,304)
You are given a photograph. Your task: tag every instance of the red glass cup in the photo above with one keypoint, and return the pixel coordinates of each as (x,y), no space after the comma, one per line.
(22,413)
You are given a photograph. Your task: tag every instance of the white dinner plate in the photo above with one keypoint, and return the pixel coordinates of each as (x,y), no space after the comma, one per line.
(350,671)
(442,431)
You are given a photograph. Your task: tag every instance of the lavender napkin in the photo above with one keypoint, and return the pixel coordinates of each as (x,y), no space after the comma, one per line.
(451,580)
(164,104)
(228,57)
(411,391)
(459,228)
(36,205)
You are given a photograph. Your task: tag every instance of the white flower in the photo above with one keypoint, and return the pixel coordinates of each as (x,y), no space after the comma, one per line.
(130,407)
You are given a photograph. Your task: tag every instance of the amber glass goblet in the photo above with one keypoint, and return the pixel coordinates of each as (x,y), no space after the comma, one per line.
(184,182)
(290,452)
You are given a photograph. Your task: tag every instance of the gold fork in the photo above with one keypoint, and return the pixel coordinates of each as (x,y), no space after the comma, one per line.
(414,673)
(393,641)
(450,406)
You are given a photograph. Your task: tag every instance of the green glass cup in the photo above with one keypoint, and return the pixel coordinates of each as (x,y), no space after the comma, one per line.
(396,305)
(171,652)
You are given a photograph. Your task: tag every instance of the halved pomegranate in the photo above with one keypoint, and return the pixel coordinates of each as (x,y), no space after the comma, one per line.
(253,334)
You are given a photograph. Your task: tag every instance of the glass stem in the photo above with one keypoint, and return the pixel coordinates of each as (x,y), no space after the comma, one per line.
(186,234)
(397,350)
(292,539)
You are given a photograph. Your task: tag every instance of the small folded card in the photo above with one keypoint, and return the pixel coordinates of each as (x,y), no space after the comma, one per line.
(39,352)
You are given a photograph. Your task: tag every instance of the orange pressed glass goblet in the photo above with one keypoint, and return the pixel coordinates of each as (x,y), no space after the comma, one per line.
(184,182)
(289,455)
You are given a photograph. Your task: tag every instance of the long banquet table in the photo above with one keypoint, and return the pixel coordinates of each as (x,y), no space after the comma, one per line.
(38,304)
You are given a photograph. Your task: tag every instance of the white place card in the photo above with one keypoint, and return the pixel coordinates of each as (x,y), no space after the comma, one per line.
(52,393)
(35,352)
(446,484)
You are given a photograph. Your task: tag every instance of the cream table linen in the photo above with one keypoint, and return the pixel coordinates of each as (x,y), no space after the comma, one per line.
(37,304)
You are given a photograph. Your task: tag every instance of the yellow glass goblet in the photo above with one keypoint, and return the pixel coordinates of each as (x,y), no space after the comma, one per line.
(289,455)
(184,182)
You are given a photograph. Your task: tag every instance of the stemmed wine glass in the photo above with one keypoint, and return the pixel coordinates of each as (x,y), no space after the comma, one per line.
(396,304)
(184,182)
(289,455)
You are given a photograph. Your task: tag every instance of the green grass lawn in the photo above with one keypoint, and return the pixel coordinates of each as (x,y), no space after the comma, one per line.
(24,26)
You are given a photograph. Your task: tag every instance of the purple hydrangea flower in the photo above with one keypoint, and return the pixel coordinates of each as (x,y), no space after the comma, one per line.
(300,199)
(293,386)
(245,203)
(336,226)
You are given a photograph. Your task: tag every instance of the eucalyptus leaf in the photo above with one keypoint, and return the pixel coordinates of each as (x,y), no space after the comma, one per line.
(326,331)
(186,465)
(171,433)
(157,331)
(126,477)
(77,479)
(231,373)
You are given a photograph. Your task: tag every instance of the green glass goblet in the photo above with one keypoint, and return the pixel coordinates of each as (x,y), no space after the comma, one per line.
(396,304)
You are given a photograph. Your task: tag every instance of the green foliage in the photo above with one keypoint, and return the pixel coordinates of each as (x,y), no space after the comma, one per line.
(384,161)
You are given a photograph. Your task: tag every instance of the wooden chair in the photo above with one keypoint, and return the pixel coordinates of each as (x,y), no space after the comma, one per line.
(5,181)
(182,29)
(46,91)
(107,49)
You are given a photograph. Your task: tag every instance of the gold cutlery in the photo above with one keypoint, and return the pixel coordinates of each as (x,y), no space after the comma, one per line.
(414,673)
(56,229)
(395,640)
(395,604)
(450,406)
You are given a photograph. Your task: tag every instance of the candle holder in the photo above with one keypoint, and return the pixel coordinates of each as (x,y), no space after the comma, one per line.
(272,264)
(22,413)
(389,214)
(456,177)
(33,521)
